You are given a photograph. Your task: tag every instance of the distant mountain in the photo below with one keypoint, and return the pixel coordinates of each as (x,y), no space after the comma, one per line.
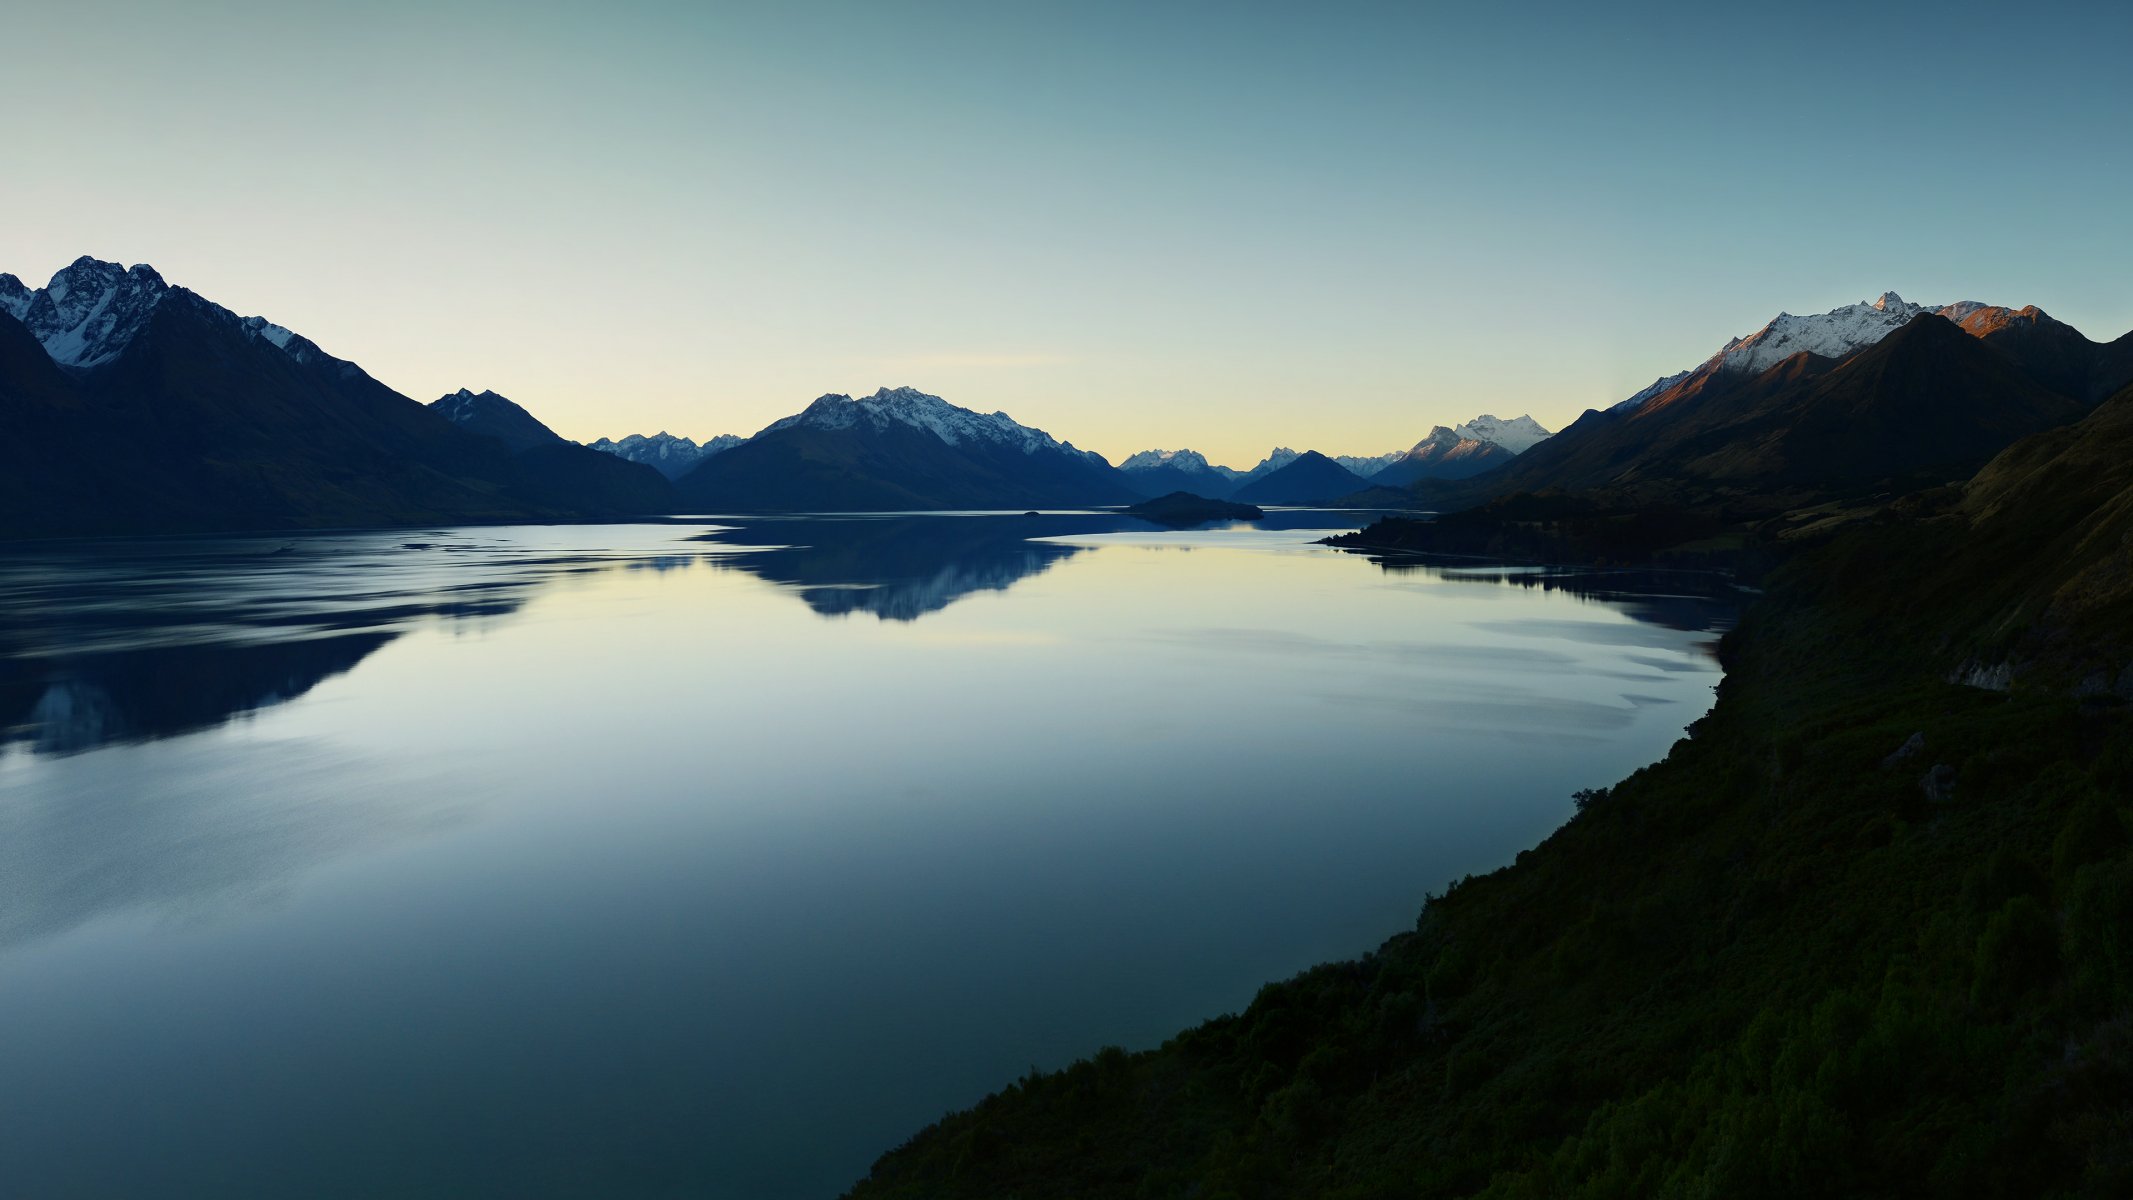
(1276,459)
(1444,454)
(1160,472)
(1367,465)
(1309,478)
(1518,435)
(900,449)
(128,405)
(1463,451)
(671,456)
(491,415)
(555,462)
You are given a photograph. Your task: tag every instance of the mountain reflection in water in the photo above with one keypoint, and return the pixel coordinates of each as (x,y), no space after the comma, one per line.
(901,567)
(112,641)
(115,641)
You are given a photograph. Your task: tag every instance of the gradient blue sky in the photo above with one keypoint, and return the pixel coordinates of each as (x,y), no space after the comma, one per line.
(1215,225)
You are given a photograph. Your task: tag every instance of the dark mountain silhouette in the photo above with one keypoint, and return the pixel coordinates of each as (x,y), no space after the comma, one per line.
(1311,478)
(2051,352)
(1926,404)
(491,415)
(902,568)
(194,419)
(547,463)
(899,450)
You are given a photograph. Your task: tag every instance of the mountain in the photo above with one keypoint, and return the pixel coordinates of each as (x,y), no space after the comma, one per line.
(1366,465)
(1650,390)
(1462,451)
(1309,478)
(1518,435)
(2053,353)
(1444,454)
(1160,472)
(900,449)
(128,405)
(1276,459)
(1924,403)
(547,460)
(491,415)
(89,312)
(671,456)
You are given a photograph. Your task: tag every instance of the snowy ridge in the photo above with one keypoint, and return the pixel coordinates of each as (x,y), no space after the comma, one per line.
(1834,334)
(1367,465)
(1657,386)
(909,406)
(666,453)
(1149,460)
(1518,435)
(90,311)
(1443,443)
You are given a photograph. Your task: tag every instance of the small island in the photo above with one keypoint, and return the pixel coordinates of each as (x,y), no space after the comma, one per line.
(1186,508)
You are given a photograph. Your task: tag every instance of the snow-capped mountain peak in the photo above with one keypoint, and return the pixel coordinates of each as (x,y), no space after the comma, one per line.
(90,311)
(1149,460)
(1833,334)
(666,453)
(1276,459)
(1367,465)
(954,425)
(14,297)
(1518,434)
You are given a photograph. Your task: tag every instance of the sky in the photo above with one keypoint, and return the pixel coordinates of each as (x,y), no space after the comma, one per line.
(1218,226)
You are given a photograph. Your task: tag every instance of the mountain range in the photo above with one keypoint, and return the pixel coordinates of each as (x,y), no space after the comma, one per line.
(666,453)
(130,405)
(1448,452)
(900,449)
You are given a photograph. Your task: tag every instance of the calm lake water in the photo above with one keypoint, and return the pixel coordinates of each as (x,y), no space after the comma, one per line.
(646,861)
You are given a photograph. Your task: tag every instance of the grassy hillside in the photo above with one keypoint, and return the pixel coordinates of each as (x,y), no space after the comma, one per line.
(1866,932)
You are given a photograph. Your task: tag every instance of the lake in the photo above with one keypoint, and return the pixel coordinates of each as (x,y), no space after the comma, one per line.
(715,858)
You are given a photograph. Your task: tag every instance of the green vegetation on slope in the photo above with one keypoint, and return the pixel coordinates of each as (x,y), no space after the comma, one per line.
(1866,932)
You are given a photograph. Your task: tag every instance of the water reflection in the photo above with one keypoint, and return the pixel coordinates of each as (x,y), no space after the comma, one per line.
(112,641)
(900,567)
(1689,601)
(558,877)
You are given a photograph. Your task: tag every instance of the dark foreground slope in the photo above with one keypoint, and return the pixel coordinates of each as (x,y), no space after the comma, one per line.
(1866,932)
